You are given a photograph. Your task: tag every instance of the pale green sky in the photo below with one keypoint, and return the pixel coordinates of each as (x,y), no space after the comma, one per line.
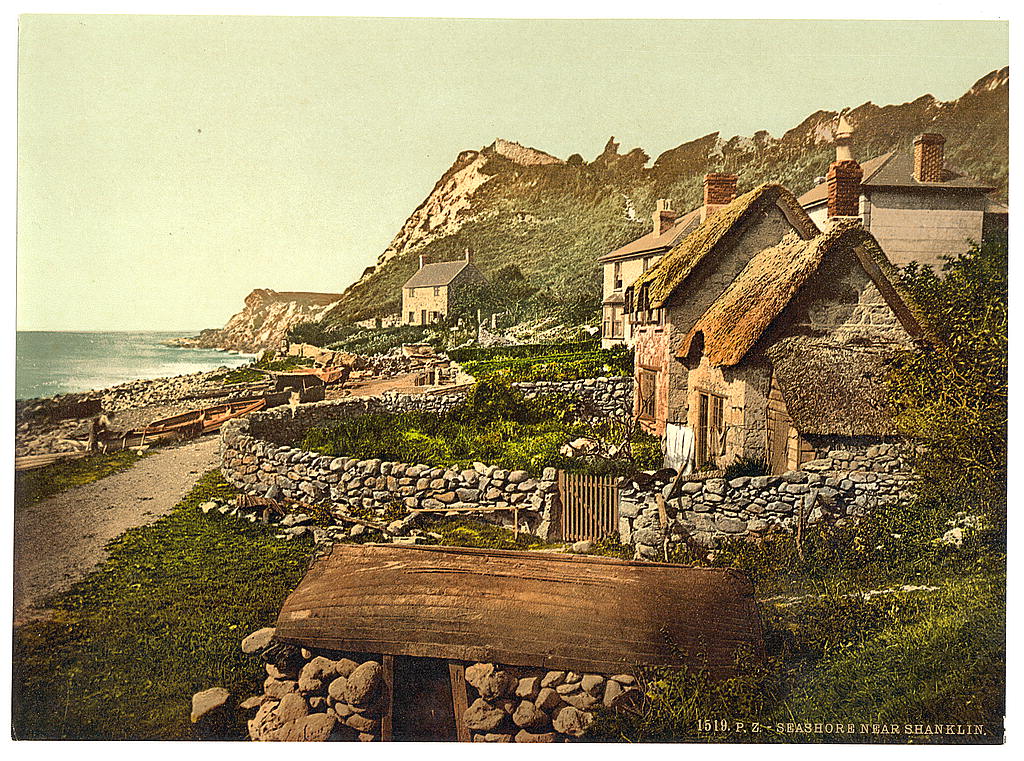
(169,165)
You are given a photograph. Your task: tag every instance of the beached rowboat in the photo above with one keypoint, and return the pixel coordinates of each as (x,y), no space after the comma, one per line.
(194,423)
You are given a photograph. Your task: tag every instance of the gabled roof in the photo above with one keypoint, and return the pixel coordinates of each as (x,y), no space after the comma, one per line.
(896,170)
(655,244)
(746,309)
(439,273)
(676,265)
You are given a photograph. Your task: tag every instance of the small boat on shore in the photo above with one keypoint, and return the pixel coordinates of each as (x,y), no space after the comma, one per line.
(189,424)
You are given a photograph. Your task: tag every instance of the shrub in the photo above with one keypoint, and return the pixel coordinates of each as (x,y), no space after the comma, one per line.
(746,466)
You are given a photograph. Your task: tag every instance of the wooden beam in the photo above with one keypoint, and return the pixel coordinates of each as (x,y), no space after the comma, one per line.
(388,664)
(460,700)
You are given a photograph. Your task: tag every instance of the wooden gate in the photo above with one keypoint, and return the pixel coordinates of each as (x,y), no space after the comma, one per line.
(590,506)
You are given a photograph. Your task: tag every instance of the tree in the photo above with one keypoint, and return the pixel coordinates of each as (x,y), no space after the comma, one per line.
(952,399)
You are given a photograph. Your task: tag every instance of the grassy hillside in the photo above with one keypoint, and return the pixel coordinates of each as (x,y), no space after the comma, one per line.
(554,219)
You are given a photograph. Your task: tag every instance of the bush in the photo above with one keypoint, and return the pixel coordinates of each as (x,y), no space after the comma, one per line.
(746,466)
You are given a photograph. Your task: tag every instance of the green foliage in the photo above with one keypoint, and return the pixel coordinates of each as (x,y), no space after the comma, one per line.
(159,620)
(746,466)
(617,361)
(31,486)
(250,373)
(952,399)
(517,351)
(316,333)
(495,425)
(464,532)
(920,657)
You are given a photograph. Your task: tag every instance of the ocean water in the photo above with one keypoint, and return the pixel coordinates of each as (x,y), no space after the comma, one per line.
(50,363)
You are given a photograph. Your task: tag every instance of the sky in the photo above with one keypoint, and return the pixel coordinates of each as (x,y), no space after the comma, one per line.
(169,165)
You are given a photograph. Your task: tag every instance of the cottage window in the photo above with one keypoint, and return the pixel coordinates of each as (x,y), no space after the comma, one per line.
(437,290)
(412,317)
(647,390)
(647,263)
(412,292)
(617,267)
(710,428)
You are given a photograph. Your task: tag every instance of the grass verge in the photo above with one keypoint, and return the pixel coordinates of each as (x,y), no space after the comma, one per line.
(161,619)
(31,486)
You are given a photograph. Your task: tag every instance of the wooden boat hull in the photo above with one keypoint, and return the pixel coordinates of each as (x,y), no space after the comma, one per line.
(552,610)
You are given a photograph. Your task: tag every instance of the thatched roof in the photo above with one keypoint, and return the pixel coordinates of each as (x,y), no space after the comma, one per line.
(770,280)
(833,390)
(675,266)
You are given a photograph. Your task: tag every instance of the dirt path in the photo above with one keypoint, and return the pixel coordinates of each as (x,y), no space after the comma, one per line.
(59,540)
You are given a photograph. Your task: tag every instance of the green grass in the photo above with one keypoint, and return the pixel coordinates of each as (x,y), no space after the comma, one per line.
(161,619)
(31,486)
(250,373)
(462,532)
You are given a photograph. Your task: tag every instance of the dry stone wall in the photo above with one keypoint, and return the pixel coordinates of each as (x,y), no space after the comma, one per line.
(608,396)
(318,695)
(841,487)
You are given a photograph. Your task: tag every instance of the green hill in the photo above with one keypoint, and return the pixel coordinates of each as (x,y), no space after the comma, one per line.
(552,218)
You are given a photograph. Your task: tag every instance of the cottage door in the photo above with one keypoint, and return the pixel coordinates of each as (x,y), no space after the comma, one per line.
(780,428)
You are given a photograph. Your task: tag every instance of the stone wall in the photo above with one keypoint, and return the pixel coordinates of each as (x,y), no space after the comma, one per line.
(609,396)
(317,695)
(253,461)
(841,487)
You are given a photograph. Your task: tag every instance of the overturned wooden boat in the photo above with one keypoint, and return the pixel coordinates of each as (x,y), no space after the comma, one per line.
(327,375)
(189,424)
(587,613)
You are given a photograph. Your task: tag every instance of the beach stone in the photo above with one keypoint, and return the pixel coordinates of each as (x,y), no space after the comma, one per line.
(483,717)
(316,727)
(490,682)
(362,723)
(552,679)
(364,683)
(592,683)
(315,674)
(207,702)
(522,736)
(548,699)
(258,640)
(492,737)
(528,716)
(571,721)
(345,667)
(292,707)
(278,688)
(336,689)
(528,687)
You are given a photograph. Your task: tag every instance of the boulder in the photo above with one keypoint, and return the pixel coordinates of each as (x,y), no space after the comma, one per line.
(483,717)
(592,683)
(278,688)
(292,707)
(209,702)
(548,699)
(492,737)
(528,716)
(552,679)
(315,674)
(316,727)
(258,640)
(364,683)
(522,736)
(528,687)
(490,682)
(571,721)
(336,689)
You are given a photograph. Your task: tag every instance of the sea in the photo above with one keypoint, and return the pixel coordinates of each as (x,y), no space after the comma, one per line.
(50,363)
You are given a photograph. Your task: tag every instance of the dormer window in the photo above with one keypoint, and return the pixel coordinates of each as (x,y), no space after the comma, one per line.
(617,275)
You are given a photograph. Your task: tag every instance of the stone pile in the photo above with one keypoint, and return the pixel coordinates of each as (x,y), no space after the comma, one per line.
(316,696)
(312,698)
(526,705)
(844,486)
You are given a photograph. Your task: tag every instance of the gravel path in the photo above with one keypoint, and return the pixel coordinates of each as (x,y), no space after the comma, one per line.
(59,540)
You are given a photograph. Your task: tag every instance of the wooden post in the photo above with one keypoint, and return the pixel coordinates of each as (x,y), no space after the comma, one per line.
(388,664)
(460,701)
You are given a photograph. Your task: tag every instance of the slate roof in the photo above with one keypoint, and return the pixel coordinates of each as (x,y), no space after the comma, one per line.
(654,244)
(439,273)
(896,170)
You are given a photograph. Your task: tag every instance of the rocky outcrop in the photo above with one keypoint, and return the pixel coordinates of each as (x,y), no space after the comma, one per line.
(264,321)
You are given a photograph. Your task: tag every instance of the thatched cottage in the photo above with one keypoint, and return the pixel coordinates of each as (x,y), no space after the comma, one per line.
(916,205)
(768,339)
(433,292)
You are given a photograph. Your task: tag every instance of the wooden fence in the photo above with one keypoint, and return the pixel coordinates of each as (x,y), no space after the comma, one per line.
(590,506)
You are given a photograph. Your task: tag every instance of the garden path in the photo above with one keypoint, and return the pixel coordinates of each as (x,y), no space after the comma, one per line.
(59,540)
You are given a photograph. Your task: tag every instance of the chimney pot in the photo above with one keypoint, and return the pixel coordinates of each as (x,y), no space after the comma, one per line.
(929,157)
(719,190)
(663,216)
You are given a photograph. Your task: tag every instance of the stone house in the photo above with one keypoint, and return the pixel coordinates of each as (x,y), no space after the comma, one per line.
(621,267)
(916,206)
(665,303)
(431,294)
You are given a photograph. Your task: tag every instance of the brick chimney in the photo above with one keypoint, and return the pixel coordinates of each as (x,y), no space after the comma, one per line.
(663,216)
(719,190)
(844,189)
(929,157)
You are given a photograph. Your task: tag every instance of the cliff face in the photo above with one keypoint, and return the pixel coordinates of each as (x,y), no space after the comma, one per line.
(553,218)
(265,320)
